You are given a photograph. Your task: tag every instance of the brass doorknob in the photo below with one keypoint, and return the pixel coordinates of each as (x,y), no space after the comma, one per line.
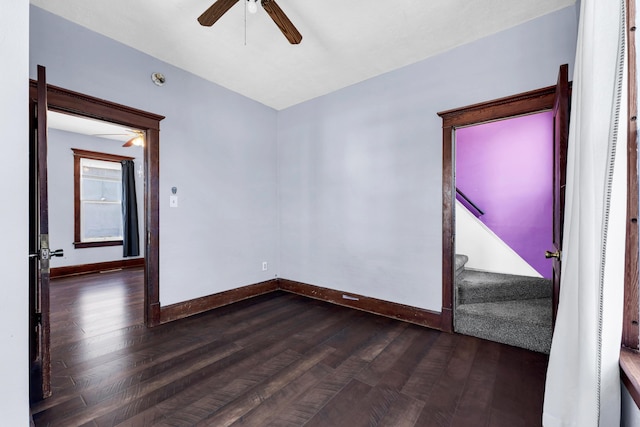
(549,254)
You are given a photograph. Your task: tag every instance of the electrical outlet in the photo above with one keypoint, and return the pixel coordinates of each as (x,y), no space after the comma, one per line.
(265,266)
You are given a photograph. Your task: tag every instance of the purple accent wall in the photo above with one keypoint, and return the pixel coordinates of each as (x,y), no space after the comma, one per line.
(505,168)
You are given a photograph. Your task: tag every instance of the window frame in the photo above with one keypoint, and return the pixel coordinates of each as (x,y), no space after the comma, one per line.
(629,352)
(79,154)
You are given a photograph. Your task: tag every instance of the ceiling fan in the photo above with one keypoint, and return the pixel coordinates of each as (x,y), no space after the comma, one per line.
(137,140)
(136,137)
(220,7)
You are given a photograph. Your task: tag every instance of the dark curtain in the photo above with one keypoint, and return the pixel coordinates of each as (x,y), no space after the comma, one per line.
(130,238)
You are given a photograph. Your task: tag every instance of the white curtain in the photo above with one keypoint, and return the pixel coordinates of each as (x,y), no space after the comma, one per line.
(583,384)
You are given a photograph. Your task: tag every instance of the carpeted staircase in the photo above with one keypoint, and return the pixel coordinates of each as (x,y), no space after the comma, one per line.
(509,309)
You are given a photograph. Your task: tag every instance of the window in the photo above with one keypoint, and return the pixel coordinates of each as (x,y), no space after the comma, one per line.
(97,199)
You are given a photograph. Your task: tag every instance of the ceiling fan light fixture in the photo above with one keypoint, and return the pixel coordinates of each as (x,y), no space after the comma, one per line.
(252,6)
(136,141)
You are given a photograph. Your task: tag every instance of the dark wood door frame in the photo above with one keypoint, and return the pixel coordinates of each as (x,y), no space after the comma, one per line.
(74,103)
(560,144)
(525,103)
(39,248)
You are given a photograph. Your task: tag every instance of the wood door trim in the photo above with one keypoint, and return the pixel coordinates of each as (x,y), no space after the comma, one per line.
(525,103)
(44,272)
(631,312)
(70,102)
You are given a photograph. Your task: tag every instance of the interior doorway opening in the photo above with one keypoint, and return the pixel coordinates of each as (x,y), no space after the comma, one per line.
(554,99)
(504,223)
(44,98)
(504,195)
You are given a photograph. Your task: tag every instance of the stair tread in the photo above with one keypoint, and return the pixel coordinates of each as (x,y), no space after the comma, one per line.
(460,261)
(473,277)
(480,286)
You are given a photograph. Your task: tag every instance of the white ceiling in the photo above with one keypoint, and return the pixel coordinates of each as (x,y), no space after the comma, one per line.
(87,126)
(344,42)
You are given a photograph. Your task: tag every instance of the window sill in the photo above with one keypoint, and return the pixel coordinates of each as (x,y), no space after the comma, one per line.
(80,245)
(630,372)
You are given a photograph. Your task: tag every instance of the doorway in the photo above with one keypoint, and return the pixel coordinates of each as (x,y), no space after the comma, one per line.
(555,98)
(84,176)
(504,195)
(503,282)
(72,103)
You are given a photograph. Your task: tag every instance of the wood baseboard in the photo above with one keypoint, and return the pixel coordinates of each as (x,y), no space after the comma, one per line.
(209,302)
(419,316)
(73,270)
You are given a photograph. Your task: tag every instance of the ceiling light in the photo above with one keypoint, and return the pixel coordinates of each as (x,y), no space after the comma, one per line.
(136,141)
(252,6)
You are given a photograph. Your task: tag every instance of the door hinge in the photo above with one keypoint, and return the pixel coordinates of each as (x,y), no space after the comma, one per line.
(37,317)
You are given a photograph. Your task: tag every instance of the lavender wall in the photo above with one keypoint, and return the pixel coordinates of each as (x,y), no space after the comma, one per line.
(506,169)
(226,222)
(360,169)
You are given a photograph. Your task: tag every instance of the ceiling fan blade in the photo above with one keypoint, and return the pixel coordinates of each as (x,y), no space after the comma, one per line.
(137,140)
(281,20)
(215,12)
(129,143)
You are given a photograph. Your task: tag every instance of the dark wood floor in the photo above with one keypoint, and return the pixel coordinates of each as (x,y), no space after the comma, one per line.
(275,360)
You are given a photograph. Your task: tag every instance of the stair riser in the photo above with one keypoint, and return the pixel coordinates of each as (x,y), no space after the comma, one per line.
(530,336)
(492,292)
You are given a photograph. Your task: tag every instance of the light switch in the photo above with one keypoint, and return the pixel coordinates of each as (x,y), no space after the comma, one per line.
(173,201)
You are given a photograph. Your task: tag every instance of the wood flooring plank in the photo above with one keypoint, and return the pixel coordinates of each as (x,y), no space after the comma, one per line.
(520,385)
(352,337)
(181,378)
(498,418)
(441,403)
(431,367)
(144,399)
(474,407)
(216,397)
(314,399)
(342,409)
(250,357)
(386,360)
(380,341)
(264,413)
(277,359)
(73,404)
(254,397)
(400,372)
(404,412)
